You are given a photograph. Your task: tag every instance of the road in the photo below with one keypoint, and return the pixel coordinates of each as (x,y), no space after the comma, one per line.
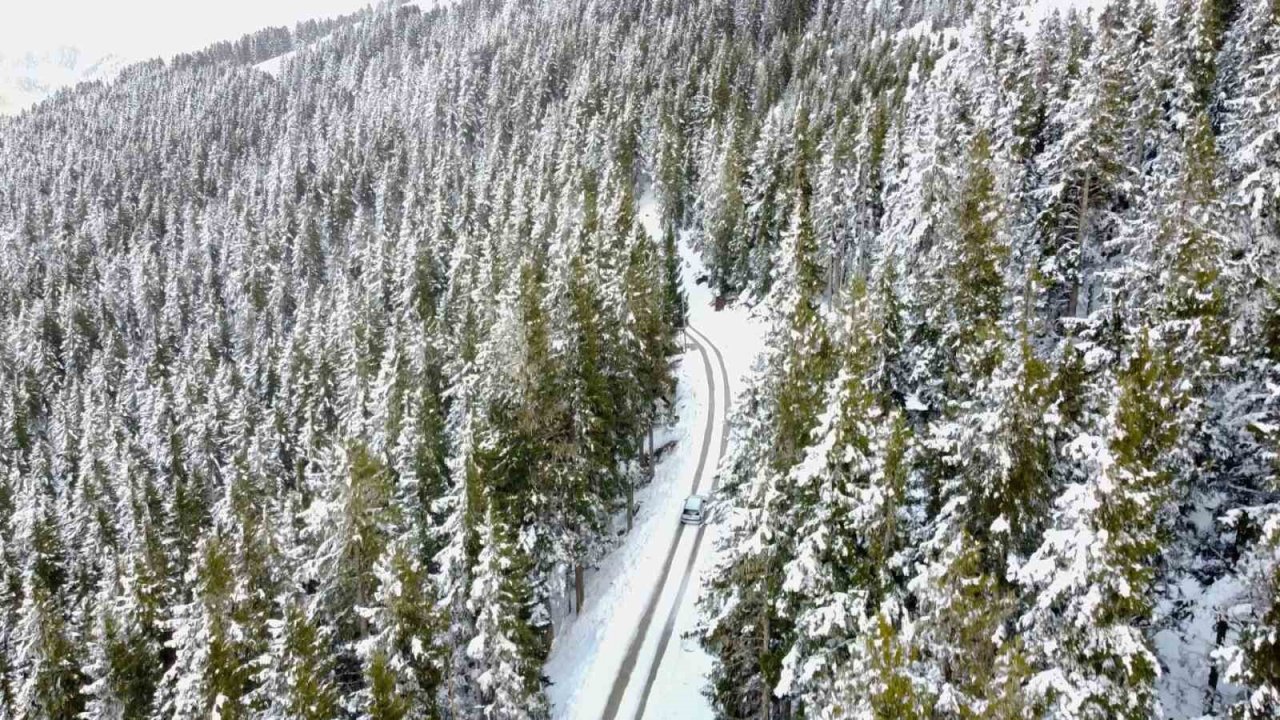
(626,693)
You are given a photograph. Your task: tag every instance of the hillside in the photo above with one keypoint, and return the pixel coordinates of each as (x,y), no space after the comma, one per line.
(329,361)
(31,77)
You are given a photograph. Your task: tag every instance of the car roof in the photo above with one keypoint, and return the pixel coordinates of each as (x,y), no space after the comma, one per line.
(693,501)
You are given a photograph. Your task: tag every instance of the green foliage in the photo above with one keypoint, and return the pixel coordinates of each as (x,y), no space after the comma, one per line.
(1195,299)
(304,657)
(385,699)
(675,305)
(974,271)
(894,696)
(53,684)
(366,515)
(976,268)
(806,354)
(1020,488)
(1260,670)
(1271,328)
(1131,512)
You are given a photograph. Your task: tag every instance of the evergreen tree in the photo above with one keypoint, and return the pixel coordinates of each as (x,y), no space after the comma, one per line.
(509,673)
(298,678)
(404,657)
(1095,571)
(212,670)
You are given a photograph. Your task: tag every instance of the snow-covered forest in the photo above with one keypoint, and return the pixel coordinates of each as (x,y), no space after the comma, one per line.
(322,380)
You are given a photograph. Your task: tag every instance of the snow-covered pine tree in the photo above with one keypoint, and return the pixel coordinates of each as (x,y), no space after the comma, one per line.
(297,675)
(508,672)
(1093,576)
(404,657)
(853,486)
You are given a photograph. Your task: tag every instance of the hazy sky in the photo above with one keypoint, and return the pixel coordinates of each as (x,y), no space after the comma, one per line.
(140,29)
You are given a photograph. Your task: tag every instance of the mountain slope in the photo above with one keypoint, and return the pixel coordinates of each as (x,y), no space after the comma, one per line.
(322,391)
(30,77)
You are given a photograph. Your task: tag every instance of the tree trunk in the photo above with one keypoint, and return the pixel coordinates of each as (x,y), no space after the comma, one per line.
(1073,301)
(652,460)
(579,591)
(765,690)
(362,623)
(631,501)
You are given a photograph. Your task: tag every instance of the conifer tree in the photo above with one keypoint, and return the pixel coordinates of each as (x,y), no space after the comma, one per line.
(1254,661)
(1095,570)
(213,670)
(1086,168)
(675,305)
(50,680)
(974,275)
(852,521)
(404,656)
(352,519)
(509,677)
(298,678)
(125,666)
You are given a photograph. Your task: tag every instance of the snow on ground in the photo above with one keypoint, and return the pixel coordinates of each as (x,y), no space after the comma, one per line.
(679,690)
(589,648)
(29,77)
(1185,652)
(273,66)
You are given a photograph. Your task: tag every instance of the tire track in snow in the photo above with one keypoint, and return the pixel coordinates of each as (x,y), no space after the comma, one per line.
(623,678)
(669,628)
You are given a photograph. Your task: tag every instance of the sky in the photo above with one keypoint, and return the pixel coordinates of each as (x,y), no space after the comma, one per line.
(140,29)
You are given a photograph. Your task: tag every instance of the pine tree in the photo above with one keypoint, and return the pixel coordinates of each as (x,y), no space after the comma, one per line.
(47,678)
(352,519)
(1253,662)
(125,665)
(403,657)
(1194,300)
(298,677)
(1086,168)
(975,269)
(1010,470)
(675,305)
(894,694)
(508,679)
(51,681)
(725,212)
(852,491)
(1095,571)
(212,670)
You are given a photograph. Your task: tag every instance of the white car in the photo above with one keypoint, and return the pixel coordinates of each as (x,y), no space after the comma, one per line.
(694,510)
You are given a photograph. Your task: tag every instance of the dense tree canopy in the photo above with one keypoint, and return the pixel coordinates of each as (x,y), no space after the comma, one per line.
(316,385)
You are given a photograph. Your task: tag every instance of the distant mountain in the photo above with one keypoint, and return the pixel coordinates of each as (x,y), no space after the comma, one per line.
(28,78)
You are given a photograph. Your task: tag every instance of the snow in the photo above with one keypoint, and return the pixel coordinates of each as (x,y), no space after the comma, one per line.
(29,77)
(589,648)
(1037,11)
(1185,652)
(273,66)
(739,334)
(429,5)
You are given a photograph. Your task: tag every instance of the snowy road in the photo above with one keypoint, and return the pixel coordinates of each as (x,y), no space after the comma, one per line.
(631,690)
(631,652)
(664,639)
